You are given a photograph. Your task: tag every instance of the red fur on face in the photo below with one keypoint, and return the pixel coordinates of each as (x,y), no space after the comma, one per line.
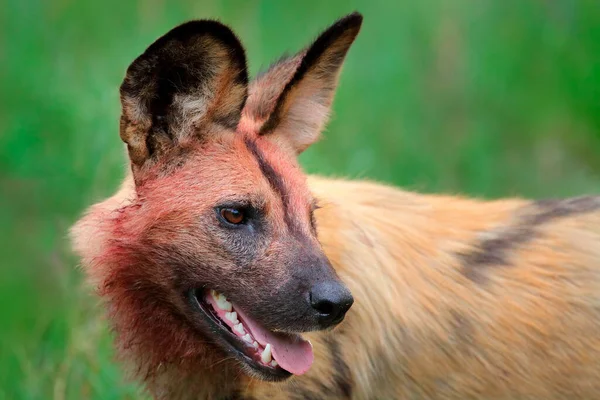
(143,296)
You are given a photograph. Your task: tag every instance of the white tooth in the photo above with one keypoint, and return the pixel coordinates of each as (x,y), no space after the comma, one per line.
(274,363)
(232,316)
(239,328)
(265,357)
(224,304)
(255,345)
(247,338)
(221,300)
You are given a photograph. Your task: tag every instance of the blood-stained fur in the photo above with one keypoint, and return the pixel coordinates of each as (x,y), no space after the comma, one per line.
(454,298)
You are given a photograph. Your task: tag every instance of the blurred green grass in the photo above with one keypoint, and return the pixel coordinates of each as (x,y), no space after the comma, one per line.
(483,97)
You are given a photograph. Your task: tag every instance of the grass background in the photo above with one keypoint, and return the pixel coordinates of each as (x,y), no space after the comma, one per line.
(489,98)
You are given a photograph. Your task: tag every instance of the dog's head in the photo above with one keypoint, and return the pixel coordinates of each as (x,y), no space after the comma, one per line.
(217,251)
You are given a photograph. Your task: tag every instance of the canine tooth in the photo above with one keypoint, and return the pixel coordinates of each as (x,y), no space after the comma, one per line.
(221,300)
(239,328)
(274,363)
(265,357)
(247,338)
(232,316)
(224,304)
(255,345)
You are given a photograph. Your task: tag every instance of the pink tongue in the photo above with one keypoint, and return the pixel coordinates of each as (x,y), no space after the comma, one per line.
(293,353)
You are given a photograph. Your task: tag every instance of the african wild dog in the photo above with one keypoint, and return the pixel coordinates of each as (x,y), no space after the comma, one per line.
(217,252)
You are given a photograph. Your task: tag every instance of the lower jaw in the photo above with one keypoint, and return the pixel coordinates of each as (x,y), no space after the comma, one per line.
(258,372)
(241,351)
(254,368)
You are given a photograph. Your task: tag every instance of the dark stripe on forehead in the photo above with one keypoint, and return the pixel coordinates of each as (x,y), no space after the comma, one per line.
(275,180)
(495,251)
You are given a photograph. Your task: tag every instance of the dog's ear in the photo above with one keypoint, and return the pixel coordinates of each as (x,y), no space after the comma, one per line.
(189,84)
(301,109)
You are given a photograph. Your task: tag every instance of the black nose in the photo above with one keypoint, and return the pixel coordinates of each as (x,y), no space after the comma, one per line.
(331,300)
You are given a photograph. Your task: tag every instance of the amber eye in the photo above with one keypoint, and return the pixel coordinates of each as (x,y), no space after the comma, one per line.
(232,215)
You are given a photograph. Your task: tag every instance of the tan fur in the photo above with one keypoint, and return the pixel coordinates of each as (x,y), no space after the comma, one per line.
(419,327)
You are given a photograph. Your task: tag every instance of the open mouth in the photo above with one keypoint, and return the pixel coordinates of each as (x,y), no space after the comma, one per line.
(272,355)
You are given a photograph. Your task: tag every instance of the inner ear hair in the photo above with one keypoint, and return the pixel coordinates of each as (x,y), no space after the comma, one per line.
(301,109)
(188,80)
